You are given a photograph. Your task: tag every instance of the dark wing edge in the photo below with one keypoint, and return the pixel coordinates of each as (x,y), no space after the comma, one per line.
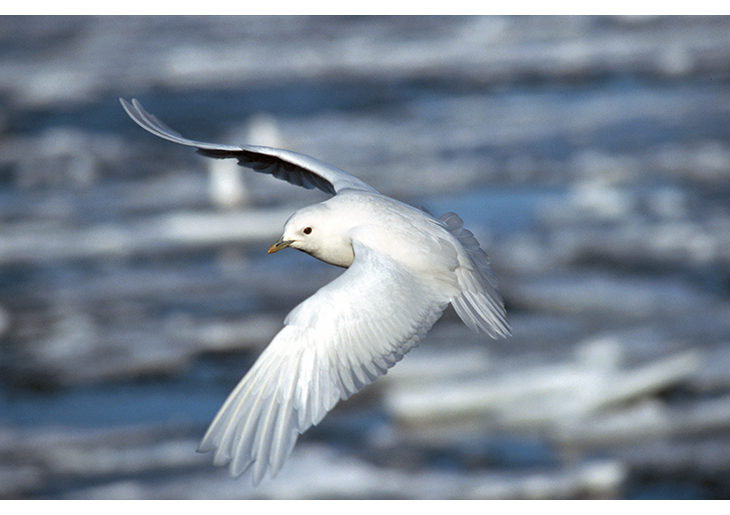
(292,167)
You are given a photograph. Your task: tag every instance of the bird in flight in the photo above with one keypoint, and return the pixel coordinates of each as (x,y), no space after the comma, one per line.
(403,268)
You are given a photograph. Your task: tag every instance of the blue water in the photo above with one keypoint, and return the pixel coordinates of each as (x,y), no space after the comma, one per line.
(499,210)
(192,398)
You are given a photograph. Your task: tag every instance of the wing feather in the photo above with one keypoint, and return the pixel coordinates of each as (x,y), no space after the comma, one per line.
(479,305)
(295,168)
(332,345)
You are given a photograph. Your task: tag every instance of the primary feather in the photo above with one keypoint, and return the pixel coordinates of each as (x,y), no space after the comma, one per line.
(292,167)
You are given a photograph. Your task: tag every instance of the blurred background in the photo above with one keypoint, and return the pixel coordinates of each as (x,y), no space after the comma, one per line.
(590,156)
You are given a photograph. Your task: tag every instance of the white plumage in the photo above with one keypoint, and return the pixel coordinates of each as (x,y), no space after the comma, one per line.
(403,268)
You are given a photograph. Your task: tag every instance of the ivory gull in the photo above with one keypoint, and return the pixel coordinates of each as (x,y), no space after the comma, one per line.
(403,268)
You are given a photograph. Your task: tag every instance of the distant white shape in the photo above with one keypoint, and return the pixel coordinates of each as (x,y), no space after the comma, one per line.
(262,129)
(226,187)
(403,268)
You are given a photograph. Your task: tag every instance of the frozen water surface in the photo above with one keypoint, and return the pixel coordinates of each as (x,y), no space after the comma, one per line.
(590,156)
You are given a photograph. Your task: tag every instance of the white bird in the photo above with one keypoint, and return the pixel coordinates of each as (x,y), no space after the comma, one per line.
(403,269)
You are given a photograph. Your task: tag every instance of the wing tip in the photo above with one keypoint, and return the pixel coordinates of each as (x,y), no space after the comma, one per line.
(133,108)
(128,108)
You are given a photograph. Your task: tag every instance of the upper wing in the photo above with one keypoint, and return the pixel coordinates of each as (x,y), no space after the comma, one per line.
(292,167)
(342,338)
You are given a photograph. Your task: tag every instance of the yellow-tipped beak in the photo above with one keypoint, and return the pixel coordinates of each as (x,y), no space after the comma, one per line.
(281,244)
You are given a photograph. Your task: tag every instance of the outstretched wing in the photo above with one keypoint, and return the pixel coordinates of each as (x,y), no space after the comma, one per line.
(292,167)
(342,338)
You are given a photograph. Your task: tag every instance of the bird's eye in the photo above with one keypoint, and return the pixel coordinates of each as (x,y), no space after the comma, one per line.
(307,230)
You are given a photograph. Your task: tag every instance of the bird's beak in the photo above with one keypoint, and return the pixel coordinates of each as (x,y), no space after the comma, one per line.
(281,244)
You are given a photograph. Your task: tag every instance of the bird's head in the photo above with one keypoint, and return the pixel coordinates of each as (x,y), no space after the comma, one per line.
(317,232)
